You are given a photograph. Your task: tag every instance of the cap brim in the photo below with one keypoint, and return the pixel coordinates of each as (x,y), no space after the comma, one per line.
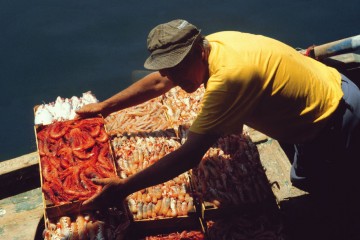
(163,59)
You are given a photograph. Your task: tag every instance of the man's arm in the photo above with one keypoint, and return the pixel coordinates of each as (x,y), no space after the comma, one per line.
(186,157)
(173,164)
(151,86)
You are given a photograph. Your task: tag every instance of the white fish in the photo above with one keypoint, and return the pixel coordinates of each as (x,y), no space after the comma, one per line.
(88,97)
(43,116)
(62,109)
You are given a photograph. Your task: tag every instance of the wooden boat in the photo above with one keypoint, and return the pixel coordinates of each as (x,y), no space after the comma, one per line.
(21,205)
(341,54)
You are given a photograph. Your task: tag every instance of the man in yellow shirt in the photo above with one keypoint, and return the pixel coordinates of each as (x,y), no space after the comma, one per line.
(253,80)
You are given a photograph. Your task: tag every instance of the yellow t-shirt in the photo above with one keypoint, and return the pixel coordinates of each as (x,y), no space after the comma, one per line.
(267,85)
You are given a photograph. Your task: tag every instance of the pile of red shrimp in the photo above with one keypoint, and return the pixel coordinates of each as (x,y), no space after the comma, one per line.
(71,154)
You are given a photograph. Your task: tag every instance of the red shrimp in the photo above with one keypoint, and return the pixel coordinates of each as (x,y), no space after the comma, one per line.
(58,129)
(66,157)
(102,136)
(104,158)
(80,140)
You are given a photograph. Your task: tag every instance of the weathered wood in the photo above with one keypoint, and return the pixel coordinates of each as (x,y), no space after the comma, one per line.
(276,164)
(348,64)
(348,58)
(337,47)
(344,62)
(277,168)
(19,163)
(255,136)
(20,215)
(19,175)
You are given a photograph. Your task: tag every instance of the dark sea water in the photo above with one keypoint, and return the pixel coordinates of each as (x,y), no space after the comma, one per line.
(64,48)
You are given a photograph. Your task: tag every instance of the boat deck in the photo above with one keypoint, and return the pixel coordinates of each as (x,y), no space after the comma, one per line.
(21,206)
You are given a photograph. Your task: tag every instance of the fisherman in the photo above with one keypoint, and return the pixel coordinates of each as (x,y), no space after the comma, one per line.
(263,83)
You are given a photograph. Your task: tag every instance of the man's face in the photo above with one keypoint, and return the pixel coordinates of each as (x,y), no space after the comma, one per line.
(189,73)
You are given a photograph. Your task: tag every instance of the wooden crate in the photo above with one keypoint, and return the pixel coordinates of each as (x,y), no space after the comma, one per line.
(51,210)
(104,224)
(166,226)
(210,211)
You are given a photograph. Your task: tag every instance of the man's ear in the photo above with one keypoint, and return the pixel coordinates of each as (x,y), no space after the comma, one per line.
(203,54)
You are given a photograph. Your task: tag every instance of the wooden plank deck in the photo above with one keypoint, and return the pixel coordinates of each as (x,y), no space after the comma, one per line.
(20,215)
(21,206)
(19,175)
(276,164)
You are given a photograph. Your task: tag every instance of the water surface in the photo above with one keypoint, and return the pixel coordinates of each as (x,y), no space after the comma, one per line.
(64,48)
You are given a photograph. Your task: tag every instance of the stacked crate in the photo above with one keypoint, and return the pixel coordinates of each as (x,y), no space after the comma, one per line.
(141,135)
(228,187)
(71,153)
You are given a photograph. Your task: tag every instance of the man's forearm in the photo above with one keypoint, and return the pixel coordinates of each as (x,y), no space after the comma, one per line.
(186,157)
(151,86)
(161,171)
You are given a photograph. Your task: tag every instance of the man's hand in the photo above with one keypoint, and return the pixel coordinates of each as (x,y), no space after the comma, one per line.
(91,110)
(110,196)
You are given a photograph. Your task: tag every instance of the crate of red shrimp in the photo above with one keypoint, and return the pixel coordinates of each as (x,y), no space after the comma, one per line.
(71,153)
